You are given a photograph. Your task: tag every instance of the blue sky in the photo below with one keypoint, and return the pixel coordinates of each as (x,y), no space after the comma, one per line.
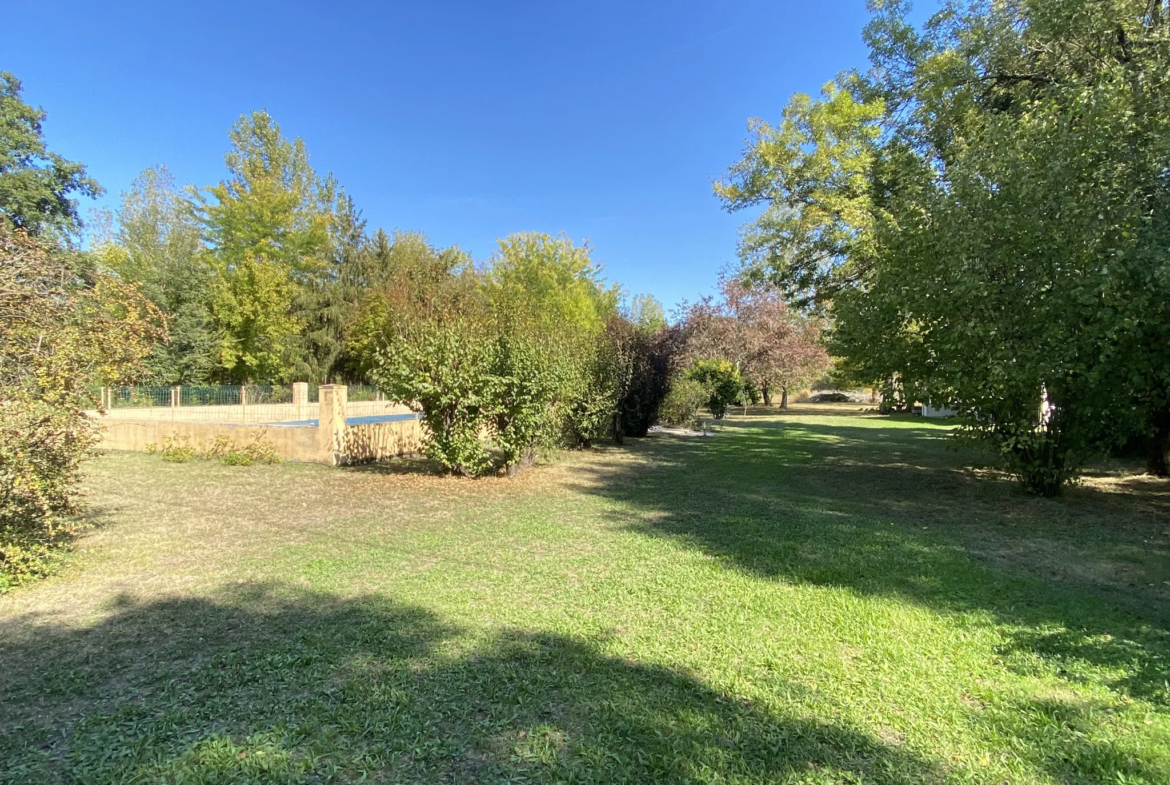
(464,120)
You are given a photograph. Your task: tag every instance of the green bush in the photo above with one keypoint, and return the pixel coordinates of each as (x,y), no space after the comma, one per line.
(599,375)
(750,395)
(639,355)
(528,384)
(41,450)
(682,402)
(721,381)
(175,449)
(62,333)
(445,367)
(227,452)
(179,449)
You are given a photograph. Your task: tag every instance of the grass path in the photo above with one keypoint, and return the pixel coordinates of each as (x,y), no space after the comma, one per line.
(817,597)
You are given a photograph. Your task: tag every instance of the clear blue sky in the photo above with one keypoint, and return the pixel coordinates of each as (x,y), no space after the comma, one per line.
(464,120)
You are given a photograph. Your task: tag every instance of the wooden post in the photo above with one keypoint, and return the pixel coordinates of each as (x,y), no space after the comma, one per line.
(243,403)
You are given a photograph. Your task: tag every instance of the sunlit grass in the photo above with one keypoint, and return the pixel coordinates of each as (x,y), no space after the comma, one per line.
(809,597)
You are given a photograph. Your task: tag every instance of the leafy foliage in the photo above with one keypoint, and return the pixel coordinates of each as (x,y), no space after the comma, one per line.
(646,351)
(267,227)
(36,186)
(683,402)
(433,350)
(153,240)
(984,217)
(720,380)
(61,331)
(512,357)
(771,344)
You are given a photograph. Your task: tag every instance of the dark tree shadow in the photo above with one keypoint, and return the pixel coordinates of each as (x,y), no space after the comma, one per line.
(895,511)
(267,684)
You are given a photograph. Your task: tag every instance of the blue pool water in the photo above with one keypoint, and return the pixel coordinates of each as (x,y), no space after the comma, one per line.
(370,419)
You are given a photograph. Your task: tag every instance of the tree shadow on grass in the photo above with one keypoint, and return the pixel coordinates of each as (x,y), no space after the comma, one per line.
(892,511)
(268,684)
(403,465)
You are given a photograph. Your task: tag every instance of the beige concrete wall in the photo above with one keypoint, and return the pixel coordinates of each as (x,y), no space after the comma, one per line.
(379,441)
(291,443)
(331,442)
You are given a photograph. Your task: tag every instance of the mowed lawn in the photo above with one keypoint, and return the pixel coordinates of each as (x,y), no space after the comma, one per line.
(815,597)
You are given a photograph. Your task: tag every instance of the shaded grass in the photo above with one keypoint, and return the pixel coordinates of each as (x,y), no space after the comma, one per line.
(815,597)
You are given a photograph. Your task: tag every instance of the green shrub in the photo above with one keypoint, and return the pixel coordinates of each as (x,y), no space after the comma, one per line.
(444,366)
(237,458)
(178,449)
(750,395)
(64,330)
(175,449)
(682,402)
(649,351)
(259,450)
(597,376)
(528,382)
(41,450)
(721,381)
(1043,456)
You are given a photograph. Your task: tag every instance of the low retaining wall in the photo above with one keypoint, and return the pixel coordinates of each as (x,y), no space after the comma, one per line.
(291,443)
(330,441)
(371,442)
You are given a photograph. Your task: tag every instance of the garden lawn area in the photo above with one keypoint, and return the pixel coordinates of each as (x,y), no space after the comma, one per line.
(819,596)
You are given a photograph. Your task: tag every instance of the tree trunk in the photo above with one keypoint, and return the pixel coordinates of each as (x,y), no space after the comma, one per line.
(619,435)
(1159,443)
(527,459)
(784,396)
(767,391)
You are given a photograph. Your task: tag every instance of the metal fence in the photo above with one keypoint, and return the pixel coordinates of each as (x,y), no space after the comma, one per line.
(250,403)
(364,400)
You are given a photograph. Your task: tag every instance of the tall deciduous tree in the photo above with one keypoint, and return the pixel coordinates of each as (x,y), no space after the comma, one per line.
(37,187)
(155,243)
(327,303)
(1003,213)
(267,227)
(770,343)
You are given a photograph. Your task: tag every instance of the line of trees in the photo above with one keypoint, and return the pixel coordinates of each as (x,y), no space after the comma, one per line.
(985,215)
(271,276)
(771,345)
(262,275)
(529,351)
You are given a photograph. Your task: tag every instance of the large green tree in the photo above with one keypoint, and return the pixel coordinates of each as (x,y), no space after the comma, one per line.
(37,187)
(327,302)
(990,223)
(267,229)
(155,243)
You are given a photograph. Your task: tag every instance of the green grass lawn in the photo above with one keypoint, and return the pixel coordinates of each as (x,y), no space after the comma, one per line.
(815,597)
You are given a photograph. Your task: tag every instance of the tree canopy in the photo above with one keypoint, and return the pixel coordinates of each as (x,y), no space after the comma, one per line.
(37,187)
(983,214)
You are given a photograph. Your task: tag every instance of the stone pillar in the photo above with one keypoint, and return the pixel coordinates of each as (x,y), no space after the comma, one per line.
(300,398)
(331,400)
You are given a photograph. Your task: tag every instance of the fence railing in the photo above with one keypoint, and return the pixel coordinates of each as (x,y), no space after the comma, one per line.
(330,430)
(250,403)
